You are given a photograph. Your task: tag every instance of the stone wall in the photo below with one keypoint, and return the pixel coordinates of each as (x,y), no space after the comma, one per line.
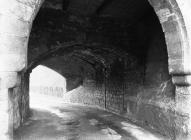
(150,106)
(20,101)
(88,94)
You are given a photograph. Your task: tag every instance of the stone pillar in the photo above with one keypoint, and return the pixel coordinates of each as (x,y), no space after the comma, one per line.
(8,80)
(183,107)
(175,21)
(13,58)
(6,130)
(16,17)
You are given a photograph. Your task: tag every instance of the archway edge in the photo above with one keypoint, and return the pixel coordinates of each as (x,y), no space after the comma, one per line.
(172,18)
(16,18)
(172,15)
(175,24)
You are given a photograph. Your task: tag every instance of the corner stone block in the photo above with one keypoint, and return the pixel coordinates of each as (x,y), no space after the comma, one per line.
(176,66)
(12,62)
(182,80)
(6,128)
(183,107)
(13,44)
(9,80)
(13,26)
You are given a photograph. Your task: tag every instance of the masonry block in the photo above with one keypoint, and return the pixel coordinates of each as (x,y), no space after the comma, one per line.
(183,107)
(13,44)
(9,79)
(13,26)
(182,80)
(13,62)
(6,116)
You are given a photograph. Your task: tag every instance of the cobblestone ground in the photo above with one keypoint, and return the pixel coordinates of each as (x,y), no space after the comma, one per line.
(54,120)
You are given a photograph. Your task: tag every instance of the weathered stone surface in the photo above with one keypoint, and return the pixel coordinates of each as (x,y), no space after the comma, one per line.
(148,86)
(13,26)
(6,130)
(13,44)
(182,80)
(183,107)
(9,79)
(14,39)
(23,10)
(14,102)
(19,99)
(176,26)
(12,62)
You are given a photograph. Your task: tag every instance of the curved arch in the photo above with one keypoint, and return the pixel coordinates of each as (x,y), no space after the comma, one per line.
(175,23)
(175,30)
(176,35)
(41,82)
(79,50)
(41,73)
(174,18)
(172,14)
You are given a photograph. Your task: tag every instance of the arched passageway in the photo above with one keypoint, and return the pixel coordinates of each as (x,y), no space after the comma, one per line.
(46,81)
(126,64)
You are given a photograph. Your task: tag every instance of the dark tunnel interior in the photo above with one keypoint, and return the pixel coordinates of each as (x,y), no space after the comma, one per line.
(90,69)
(112,52)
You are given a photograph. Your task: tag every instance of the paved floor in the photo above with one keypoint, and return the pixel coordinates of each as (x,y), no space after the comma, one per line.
(54,120)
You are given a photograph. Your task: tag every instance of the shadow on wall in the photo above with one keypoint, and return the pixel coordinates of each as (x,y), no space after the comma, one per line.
(73,82)
(142,92)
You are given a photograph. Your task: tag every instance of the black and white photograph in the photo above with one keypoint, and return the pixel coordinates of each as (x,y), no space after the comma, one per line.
(95,69)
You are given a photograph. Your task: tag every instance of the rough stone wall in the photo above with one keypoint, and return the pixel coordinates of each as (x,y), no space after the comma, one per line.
(20,101)
(114,87)
(87,94)
(101,90)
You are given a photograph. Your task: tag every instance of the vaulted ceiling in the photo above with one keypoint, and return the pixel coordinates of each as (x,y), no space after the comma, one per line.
(126,9)
(94,31)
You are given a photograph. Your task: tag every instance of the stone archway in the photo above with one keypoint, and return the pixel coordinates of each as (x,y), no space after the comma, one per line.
(16,18)
(176,34)
(175,22)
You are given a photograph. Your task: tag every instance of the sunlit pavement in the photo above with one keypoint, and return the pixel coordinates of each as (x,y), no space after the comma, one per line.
(54,120)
